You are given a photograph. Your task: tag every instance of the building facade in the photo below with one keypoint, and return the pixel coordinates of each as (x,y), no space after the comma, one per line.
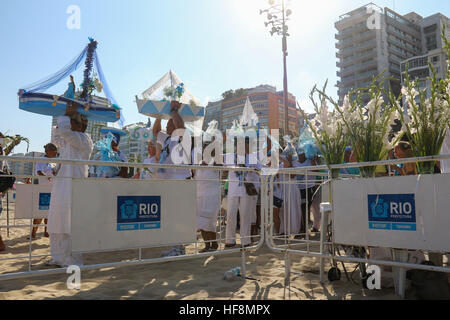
(267,103)
(373,40)
(134,145)
(418,66)
(23,168)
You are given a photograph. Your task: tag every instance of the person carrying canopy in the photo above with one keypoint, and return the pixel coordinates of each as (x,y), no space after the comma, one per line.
(74,144)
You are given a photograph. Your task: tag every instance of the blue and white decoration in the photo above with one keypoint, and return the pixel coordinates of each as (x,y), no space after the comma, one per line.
(33,99)
(161,109)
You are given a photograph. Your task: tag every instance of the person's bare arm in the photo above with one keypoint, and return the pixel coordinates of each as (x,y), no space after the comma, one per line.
(177,120)
(157,127)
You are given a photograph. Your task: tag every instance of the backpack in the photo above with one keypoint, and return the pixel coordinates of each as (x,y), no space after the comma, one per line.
(6,183)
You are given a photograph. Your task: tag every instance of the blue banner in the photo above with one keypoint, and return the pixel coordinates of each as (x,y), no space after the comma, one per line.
(138,213)
(392,212)
(44,201)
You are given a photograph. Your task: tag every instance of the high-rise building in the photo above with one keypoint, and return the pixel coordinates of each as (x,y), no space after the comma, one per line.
(23,168)
(134,145)
(267,103)
(372,40)
(418,67)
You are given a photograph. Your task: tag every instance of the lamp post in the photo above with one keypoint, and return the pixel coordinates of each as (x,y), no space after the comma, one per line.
(280,28)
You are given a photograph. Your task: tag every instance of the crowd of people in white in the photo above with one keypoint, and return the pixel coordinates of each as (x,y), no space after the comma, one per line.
(295,196)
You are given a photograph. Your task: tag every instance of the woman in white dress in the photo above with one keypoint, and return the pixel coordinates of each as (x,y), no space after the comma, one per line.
(208,204)
(291,211)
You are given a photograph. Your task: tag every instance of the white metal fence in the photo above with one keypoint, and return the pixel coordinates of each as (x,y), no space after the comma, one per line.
(192,247)
(320,244)
(324,245)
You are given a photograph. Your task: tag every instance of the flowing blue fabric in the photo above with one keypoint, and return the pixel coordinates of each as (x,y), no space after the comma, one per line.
(105,153)
(106,89)
(50,81)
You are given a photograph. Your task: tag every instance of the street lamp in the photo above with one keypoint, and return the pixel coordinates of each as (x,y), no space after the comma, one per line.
(277,15)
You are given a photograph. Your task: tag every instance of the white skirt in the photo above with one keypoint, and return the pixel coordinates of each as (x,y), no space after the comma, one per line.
(207,212)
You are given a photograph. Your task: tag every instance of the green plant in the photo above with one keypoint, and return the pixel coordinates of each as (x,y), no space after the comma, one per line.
(328,130)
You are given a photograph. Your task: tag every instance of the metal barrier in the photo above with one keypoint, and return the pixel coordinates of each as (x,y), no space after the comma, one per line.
(303,247)
(291,243)
(194,252)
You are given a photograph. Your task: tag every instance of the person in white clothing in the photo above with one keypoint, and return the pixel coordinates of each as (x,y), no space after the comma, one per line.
(149,173)
(291,209)
(168,145)
(238,198)
(167,149)
(307,188)
(208,204)
(445,164)
(74,144)
(46,170)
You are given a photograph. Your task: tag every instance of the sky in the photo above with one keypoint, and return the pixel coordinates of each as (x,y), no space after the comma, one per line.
(213,46)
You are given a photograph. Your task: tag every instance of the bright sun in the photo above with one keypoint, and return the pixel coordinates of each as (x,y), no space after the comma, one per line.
(305,14)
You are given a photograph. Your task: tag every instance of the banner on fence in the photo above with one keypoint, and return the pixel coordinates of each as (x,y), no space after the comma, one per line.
(393,212)
(119,214)
(32,201)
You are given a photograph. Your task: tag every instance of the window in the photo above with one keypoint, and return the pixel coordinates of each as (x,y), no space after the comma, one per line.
(435,59)
(431,41)
(430,29)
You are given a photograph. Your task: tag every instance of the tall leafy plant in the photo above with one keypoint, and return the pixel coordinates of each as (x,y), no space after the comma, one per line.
(328,130)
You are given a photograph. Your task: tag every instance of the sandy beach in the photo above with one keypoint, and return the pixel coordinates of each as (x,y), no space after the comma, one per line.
(200,278)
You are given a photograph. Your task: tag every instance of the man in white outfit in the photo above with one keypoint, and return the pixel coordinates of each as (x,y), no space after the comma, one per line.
(73,144)
(291,210)
(208,205)
(445,164)
(239,199)
(170,149)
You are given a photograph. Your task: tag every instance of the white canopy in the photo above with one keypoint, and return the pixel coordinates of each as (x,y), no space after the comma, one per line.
(170,79)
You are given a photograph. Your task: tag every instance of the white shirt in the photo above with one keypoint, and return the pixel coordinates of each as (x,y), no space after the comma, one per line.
(72,146)
(445,164)
(47,169)
(176,150)
(236,186)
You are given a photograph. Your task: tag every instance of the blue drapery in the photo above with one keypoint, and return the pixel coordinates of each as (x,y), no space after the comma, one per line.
(106,89)
(50,81)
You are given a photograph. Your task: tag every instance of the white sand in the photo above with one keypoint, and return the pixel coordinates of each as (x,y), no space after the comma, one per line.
(200,278)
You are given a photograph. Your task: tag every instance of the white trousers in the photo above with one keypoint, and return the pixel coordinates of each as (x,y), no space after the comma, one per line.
(247,210)
(61,250)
